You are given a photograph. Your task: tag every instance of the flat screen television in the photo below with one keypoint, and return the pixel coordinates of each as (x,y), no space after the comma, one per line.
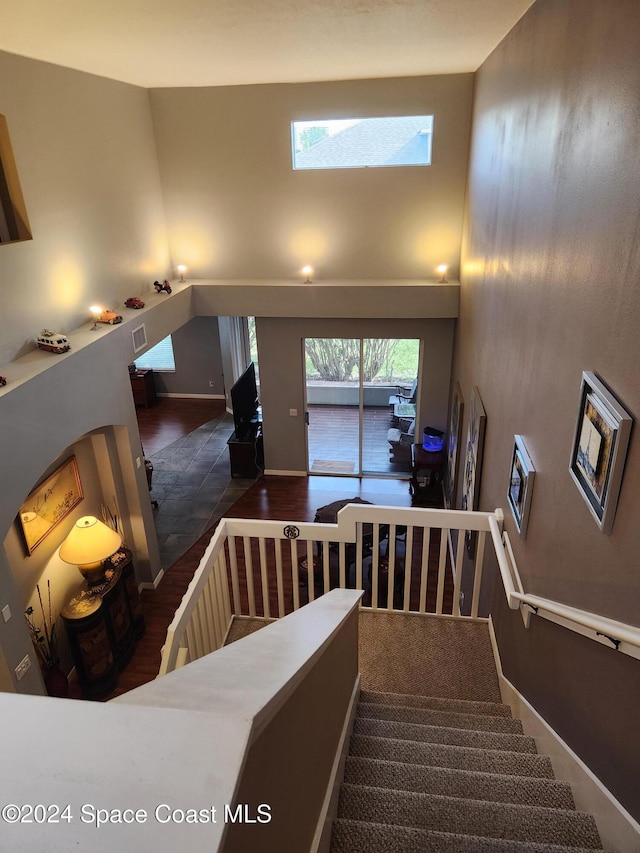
(244,402)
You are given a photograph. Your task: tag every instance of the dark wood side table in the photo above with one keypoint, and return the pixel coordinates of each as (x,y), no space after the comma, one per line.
(123,559)
(246,456)
(101,629)
(426,474)
(143,387)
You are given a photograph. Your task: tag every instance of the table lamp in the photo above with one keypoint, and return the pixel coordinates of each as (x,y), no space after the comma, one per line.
(88,545)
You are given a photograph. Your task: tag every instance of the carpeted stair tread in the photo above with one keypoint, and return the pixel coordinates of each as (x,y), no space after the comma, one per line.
(452,756)
(443,734)
(426,655)
(351,836)
(469,817)
(462,706)
(430,717)
(452,782)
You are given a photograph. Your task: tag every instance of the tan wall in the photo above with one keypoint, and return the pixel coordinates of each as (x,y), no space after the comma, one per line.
(236,208)
(549,289)
(85,154)
(282,375)
(288,766)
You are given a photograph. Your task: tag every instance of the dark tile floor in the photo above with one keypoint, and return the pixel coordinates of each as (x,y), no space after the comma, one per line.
(192,484)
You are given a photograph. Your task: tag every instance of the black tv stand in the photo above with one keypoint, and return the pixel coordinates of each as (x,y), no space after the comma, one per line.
(246,454)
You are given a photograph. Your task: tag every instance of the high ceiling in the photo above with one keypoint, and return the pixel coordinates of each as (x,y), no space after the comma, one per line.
(155,43)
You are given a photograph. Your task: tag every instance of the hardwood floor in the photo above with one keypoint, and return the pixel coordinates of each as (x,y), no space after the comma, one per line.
(172,418)
(280,498)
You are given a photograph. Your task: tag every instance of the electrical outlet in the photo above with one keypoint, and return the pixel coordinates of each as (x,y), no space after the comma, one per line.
(212,384)
(293,413)
(23,667)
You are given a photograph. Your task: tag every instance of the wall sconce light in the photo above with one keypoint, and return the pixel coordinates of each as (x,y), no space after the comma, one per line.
(442,269)
(182,270)
(88,545)
(307,271)
(96,311)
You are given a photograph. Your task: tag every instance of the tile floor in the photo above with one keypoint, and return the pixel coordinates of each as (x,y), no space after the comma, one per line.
(191,478)
(192,484)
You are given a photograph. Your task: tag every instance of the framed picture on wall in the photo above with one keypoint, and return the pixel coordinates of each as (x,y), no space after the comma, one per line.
(599,449)
(47,505)
(473,459)
(454,435)
(520,485)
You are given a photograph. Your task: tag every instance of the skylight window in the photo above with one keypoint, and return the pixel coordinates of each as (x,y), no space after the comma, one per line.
(361,143)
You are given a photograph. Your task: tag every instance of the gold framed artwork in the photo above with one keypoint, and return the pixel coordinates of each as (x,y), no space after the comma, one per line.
(49,503)
(599,449)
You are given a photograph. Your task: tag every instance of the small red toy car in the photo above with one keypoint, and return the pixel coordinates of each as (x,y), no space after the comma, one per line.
(3,380)
(134,302)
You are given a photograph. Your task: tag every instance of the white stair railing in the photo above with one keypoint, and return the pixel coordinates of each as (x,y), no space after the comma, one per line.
(399,557)
(270,568)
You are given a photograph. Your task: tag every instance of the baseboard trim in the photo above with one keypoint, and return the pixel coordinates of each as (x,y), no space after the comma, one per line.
(328,813)
(619,831)
(274,472)
(190,396)
(153,584)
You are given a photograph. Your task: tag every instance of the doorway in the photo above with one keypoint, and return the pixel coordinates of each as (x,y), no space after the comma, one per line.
(350,386)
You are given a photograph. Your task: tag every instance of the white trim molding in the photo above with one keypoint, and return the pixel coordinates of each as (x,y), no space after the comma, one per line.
(619,831)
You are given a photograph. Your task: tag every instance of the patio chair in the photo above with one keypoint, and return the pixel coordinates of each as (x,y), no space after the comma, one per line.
(400,442)
(403,402)
(404,394)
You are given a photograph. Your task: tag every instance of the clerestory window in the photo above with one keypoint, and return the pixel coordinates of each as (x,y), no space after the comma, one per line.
(361,143)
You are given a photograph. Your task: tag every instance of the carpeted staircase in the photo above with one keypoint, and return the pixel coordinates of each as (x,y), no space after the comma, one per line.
(439,775)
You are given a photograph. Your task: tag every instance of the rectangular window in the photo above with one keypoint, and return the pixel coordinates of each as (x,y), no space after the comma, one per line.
(159,357)
(361,143)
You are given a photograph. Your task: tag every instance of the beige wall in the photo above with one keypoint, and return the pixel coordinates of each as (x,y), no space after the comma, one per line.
(282,375)
(549,289)
(85,154)
(236,208)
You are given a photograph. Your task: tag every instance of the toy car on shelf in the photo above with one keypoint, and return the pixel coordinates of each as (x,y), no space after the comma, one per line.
(108,316)
(164,286)
(3,380)
(53,341)
(134,302)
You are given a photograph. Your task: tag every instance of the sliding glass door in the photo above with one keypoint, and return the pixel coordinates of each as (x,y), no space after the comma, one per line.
(357,390)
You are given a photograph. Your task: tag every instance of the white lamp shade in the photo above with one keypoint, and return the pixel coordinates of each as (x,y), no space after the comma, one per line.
(89,542)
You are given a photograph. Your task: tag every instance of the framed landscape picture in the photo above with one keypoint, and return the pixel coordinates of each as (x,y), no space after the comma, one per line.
(454,434)
(47,505)
(520,485)
(599,449)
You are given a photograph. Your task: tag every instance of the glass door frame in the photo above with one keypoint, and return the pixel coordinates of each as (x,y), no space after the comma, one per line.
(361,389)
